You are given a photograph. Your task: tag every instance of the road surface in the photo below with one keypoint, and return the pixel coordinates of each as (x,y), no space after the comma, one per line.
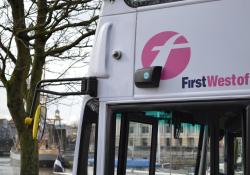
(7,169)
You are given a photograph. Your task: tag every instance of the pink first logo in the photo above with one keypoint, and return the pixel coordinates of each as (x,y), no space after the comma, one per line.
(167,49)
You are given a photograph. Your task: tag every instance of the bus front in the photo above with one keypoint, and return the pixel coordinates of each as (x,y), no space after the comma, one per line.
(173,90)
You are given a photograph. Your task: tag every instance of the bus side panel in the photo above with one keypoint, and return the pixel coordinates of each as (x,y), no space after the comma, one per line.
(203,48)
(118,78)
(114,8)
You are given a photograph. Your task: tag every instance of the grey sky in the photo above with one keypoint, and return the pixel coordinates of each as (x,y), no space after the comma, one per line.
(4,113)
(69,107)
(71,111)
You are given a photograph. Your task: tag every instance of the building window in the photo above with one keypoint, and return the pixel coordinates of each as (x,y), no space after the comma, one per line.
(180,141)
(131,129)
(131,142)
(144,142)
(145,129)
(191,142)
(167,141)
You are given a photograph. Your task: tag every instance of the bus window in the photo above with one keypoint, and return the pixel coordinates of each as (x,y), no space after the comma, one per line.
(238,153)
(138,3)
(222,156)
(138,147)
(135,138)
(151,143)
(176,142)
(185,148)
(233,149)
(88,142)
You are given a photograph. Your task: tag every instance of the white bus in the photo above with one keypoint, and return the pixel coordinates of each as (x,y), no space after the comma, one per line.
(173,90)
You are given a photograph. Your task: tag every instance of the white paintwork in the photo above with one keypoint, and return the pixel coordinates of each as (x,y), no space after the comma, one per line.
(98,64)
(217,32)
(121,38)
(79,129)
(101,138)
(218,35)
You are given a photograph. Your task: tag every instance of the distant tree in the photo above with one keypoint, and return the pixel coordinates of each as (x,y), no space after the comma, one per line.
(33,32)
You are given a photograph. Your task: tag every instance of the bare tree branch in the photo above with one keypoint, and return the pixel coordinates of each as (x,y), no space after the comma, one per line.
(50,14)
(69,3)
(33,33)
(83,23)
(62,49)
(6,28)
(2,71)
(7,51)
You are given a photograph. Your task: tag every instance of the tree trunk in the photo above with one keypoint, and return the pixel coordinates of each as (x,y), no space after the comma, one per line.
(29,153)
(32,25)
(29,147)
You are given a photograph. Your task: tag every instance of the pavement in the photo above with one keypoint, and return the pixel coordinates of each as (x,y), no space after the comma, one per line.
(6,168)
